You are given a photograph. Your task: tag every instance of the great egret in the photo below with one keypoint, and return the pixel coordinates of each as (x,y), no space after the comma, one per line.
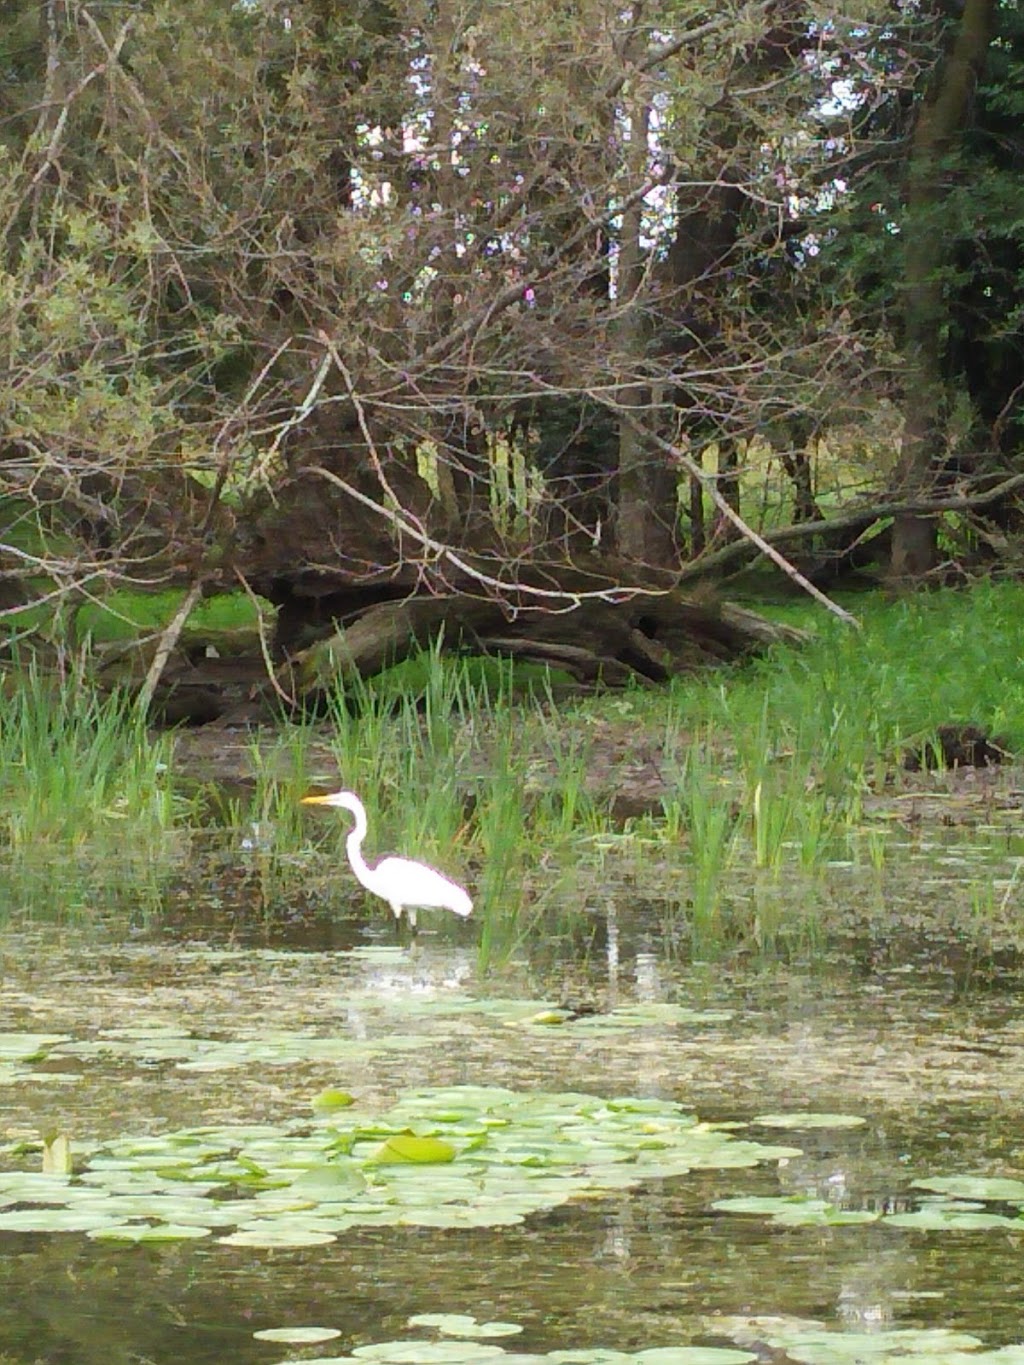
(403,883)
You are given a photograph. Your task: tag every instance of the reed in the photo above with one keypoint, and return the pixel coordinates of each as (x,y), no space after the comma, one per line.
(86,801)
(459,762)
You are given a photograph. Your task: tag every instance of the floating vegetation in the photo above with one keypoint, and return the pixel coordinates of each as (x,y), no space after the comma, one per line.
(19,1051)
(812,1343)
(298,1336)
(943,1215)
(983,1187)
(460,1336)
(934,1215)
(464,1325)
(803,1340)
(494,1156)
(796,1210)
(806,1120)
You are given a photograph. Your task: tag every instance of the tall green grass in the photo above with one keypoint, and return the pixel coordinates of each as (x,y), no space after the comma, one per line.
(769,768)
(86,799)
(74,764)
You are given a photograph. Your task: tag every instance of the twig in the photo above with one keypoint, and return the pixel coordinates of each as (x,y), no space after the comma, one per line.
(299,415)
(224,465)
(862,516)
(438,550)
(710,484)
(364,427)
(168,640)
(268,662)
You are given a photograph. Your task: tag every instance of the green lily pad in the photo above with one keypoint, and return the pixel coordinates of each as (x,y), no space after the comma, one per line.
(278,1235)
(149,1232)
(693,1355)
(298,1336)
(803,1119)
(496,1156)
(592,1357)
(404,1147)
(28,1047)
(815,1344)
(329,1100)
(464,1325)
(999,1189)
(797,1211)
(427,1352)
(943,1218)
(55,1220)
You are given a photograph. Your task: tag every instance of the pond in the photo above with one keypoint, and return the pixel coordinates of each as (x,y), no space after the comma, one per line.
(598,1151)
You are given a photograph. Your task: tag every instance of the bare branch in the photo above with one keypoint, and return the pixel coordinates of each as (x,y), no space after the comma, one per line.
(710,484)
(168,639)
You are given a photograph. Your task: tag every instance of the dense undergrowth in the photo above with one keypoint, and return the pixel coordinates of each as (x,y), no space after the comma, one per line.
(763,775)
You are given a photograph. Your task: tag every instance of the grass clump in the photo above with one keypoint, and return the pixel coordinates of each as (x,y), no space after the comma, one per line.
(763,777)
(85,794)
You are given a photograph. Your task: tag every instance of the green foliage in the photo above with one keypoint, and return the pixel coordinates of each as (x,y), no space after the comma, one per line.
(74,763)
(969,211)
(768,772)
(190,194)
(495,1156)
(86,803)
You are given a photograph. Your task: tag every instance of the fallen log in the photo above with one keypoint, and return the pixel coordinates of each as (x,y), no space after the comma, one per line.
(598,642)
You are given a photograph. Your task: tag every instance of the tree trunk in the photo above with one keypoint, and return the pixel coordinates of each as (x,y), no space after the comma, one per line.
(728,486)
(941,119)
(647,516)
(698,523)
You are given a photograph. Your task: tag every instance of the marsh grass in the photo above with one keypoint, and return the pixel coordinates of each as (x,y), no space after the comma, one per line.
(768,769)
(86,801)
(73,764)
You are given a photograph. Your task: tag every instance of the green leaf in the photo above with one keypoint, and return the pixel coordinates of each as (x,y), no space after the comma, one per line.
(464,1325)
(329,1100)
(996,1188)
(406,1148)
(809,1120)
(298,1336)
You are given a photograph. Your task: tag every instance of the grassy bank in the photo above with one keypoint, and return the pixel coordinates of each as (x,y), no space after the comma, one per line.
(762,777)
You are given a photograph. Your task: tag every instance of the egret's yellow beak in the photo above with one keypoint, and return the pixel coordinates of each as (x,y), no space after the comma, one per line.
(315,800)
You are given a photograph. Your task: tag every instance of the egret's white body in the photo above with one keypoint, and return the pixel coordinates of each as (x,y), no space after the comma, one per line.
(404,884)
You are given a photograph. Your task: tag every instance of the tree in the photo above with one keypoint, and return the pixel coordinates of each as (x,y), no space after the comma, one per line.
(283,288)
(935,154)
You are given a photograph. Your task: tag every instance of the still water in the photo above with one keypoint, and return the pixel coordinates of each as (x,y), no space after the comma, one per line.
(142,1032)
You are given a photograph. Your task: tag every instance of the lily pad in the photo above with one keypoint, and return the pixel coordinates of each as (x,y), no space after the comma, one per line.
(815,1344)
(464,1325)
(149,1232)
(450,1157)
(28,1047)
(427,1352)
(797,1211)
(944,1218)
(803,1119)
(693,1355)
(55,1220)
(998,1189)
(278,1235)
(298,1336)
(405,1147)
(329,1100)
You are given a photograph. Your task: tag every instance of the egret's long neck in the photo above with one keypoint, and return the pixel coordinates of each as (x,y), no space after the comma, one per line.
(354,848)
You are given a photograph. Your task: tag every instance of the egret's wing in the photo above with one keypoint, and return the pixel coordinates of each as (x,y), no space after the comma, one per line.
(403,881)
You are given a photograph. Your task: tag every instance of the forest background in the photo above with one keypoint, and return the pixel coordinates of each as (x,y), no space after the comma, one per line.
(380,299)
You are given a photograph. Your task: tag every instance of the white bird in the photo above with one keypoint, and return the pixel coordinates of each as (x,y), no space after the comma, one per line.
(403,883)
